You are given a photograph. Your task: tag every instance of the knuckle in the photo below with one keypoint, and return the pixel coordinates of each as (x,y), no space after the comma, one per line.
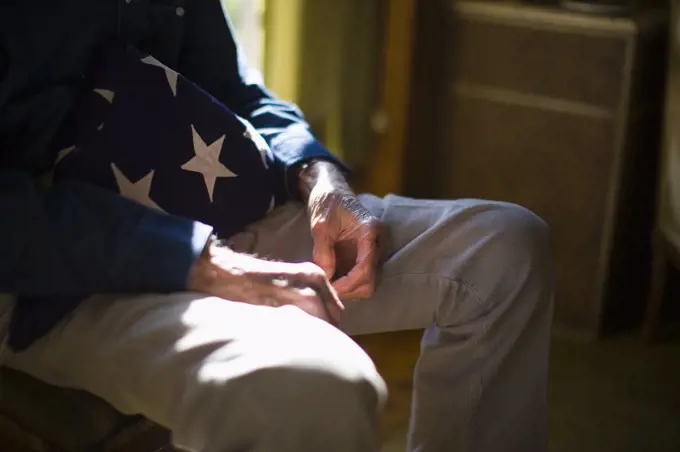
(311,297)
(320,220)
(319,224)
(311,271)
(370,229)
(272,301)
(308,294)
(323,259)
(374,225)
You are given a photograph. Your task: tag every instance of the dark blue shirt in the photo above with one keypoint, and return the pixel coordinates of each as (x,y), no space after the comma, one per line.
(73,239)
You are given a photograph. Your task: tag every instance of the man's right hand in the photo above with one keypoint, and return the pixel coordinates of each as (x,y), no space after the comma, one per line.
(234,276)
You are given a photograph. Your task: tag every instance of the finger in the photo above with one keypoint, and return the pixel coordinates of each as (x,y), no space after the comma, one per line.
(361,293)
(311,276)
(357,284)
(316,305)
(363,273)
(305,299)
(325,291)
(330,300)
(361,276)
(367,248)
(324,250)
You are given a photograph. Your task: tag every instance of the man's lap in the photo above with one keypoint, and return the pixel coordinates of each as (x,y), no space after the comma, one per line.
(421,238)
(141,352)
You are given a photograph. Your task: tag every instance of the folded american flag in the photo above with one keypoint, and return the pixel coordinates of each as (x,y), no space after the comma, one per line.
(146,132)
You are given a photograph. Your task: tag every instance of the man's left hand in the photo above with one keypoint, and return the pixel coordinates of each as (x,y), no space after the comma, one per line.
(344,232)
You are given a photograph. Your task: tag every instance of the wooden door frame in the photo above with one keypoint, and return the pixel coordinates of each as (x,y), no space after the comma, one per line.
(384,172)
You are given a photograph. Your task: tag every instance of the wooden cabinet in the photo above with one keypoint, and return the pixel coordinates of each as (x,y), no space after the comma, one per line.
(559,112)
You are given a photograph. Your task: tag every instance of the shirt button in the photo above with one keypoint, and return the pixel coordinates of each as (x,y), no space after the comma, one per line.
(179,11)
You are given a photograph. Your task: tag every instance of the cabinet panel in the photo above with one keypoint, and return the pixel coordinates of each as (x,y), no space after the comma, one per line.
(540,60)
(555,111)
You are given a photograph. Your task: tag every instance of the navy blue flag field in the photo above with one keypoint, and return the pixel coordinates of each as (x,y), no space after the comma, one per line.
(148,133)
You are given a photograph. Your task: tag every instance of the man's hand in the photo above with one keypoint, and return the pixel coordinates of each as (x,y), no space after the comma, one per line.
(234,276)
(345,234)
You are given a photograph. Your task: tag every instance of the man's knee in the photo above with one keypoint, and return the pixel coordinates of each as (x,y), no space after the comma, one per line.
(516,254)
(302,386)
(305,409)
(507,259)
(520,234)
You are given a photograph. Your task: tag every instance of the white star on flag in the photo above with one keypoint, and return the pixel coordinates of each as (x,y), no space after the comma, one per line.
(137,191)
(106,94)
(207,162)
(63,153)
(169,73)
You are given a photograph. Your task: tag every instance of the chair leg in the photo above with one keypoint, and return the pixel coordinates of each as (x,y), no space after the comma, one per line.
(650,327)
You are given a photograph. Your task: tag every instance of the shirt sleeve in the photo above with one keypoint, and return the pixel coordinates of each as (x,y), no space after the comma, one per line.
(77,239)
(212,58)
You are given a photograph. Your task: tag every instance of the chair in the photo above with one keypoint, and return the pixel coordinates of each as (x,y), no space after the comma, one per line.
(37,417)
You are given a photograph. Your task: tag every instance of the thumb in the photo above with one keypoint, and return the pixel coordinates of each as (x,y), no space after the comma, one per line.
(324,253)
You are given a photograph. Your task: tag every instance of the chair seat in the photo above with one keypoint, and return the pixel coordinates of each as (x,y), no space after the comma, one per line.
(35,416)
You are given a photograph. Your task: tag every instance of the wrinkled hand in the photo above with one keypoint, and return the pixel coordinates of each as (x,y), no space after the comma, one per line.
(344,232)
(234,276)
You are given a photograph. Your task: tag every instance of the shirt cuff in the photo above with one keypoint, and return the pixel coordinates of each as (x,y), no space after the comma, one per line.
(297,145)
(160,255)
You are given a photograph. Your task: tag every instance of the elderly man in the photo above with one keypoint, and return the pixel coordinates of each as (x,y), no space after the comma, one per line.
(233,352)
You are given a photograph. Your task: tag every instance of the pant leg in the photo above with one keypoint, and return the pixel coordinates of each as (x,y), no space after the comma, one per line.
(479,276)
(222,376)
